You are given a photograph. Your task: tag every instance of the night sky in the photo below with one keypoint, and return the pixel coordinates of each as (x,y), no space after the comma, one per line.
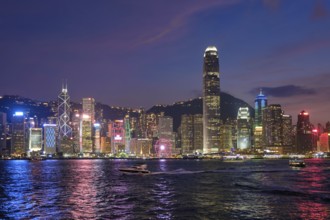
(145,52)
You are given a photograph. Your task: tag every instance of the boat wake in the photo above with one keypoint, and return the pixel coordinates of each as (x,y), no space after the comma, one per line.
(282,191)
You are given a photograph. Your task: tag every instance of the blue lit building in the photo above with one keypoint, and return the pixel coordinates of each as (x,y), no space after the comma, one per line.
(260,104)
(259,107)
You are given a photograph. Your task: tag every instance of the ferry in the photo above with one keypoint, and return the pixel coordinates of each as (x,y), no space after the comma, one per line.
(297,163)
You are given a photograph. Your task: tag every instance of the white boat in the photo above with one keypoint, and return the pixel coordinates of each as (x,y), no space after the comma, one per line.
(137,169)
(297,163)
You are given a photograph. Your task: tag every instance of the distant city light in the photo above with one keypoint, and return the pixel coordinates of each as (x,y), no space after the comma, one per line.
(97,125)
(53,125)
(162,147)
(118,137)
(18,114)
(85,116)
(315,130)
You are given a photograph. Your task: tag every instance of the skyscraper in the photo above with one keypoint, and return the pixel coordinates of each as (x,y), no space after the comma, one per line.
(260,104)
(50,138)
(304,133)
(87,125)
(211,101)
(191,130)
(3,134)
(272,129)
(64,129)
(18,132)
(35,141)
(243,129)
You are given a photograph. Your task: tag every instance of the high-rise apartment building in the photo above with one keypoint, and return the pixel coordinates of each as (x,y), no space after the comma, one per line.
(211,101)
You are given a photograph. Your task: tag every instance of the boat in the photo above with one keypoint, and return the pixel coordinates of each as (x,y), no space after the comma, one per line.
(37,158)
(137,169)
(297,163)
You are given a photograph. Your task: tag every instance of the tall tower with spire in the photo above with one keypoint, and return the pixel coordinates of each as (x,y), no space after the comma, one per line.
(64,129)
(211,101)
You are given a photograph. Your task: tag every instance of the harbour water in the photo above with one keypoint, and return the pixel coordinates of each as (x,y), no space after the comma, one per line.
(176,189)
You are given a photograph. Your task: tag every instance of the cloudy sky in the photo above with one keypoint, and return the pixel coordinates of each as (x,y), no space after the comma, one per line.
(145,52)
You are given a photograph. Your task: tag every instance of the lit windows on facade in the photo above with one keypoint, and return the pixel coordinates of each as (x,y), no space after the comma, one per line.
(211,101)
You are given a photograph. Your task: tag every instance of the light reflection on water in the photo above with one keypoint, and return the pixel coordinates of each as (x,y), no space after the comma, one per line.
(178,189)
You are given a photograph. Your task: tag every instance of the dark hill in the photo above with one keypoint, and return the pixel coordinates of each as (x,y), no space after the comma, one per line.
(229,106)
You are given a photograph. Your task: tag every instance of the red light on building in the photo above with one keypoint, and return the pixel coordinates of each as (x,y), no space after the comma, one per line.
(315,130)
(305,113)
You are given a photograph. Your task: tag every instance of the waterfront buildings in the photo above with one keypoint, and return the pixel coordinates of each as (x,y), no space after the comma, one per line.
(211,101)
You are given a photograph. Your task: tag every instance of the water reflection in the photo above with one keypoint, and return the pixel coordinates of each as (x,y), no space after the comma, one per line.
(314,182)
(89,189)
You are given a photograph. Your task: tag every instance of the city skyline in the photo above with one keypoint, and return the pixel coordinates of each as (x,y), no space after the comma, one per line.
(111,50)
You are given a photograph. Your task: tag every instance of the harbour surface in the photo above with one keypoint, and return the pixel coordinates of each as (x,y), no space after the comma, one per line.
(176,189)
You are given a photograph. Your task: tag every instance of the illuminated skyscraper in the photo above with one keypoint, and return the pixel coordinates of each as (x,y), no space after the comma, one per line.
(272,128)
(18,132)
(86,127)
(288,134)
(89,108)
(211,101)
(97,138)
(260,104)
(304,133)
(117,134)
(64,129)
(3,134)
(191,130)
(243,129)
(35,141)
(50,138)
